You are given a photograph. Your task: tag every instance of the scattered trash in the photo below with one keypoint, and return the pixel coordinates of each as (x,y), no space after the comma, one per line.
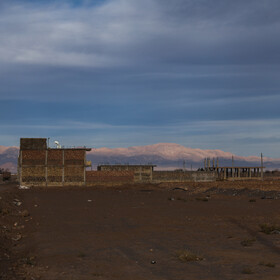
(153,262)
(182,189)
(17,238)
(275,231)
(89,200)
(17,202)
(24,188)
(35,205)
(267,197)
(25,213)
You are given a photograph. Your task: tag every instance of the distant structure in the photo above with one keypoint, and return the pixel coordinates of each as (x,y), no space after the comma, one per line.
(235,172)
(43,166)
(40,165)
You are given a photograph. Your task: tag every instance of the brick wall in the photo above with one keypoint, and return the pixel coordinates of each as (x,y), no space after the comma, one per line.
(33,157)
(110,176)
(74,157)
(55,157)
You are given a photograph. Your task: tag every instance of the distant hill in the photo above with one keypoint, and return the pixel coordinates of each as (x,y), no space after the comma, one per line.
(164,155)
(8,158)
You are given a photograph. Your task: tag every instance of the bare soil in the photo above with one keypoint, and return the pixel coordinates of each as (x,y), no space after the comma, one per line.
(167,231)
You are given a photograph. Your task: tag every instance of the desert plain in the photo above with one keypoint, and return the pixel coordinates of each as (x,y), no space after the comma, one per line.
(218,230)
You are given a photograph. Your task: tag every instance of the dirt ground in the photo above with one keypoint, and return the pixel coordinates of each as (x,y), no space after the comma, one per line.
(168,231)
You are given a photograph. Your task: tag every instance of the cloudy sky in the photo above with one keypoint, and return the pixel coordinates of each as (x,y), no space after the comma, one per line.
(118,73)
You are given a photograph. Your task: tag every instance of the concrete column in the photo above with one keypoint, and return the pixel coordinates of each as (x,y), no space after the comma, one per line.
(225,173)
(250,174)
(208,164)
(205,164)
(63,167)
(85,167)
(262,166)
(238,172)
(46,168)
(20,168)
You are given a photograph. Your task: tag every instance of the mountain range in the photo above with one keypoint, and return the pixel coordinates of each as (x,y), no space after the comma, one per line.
(164,155)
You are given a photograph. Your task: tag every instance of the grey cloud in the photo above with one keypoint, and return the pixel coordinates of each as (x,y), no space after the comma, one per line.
(127,33)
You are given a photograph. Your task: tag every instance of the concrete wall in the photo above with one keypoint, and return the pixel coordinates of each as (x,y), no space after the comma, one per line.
(179,176)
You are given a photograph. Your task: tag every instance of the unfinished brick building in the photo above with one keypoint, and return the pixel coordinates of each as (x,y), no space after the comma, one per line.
(43,166)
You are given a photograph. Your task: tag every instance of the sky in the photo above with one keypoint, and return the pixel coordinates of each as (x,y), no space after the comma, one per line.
(120,73)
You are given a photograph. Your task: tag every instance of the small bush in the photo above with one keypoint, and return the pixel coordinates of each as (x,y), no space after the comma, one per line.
(187,256)
(247,270)
(81,255)
(182,199)
(29,261)
(205,199)
(269,229)
(248,242)
(267,264)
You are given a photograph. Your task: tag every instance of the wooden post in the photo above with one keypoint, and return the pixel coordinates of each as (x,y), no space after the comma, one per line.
(225,173)
(250,174)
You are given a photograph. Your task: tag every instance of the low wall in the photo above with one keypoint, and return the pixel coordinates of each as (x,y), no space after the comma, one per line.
(109,177)
(180,176)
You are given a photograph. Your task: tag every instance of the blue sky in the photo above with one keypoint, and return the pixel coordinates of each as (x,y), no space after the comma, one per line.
(118,73)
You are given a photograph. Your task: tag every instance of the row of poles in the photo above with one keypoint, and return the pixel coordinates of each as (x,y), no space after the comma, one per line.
(207,164)
(215,163)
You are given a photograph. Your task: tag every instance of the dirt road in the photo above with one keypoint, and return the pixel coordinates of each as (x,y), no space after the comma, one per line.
(143,233)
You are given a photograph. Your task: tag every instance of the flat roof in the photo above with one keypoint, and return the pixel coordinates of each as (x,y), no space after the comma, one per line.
(78,148)
(240,167)
(123,165)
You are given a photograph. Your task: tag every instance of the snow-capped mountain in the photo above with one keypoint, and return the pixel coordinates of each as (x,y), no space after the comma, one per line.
(8,158)
(164,155)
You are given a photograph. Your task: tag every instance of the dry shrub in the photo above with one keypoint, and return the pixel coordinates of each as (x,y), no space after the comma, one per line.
(267,264)
(247,270)
(269,229)
(187,256)
(248,242)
